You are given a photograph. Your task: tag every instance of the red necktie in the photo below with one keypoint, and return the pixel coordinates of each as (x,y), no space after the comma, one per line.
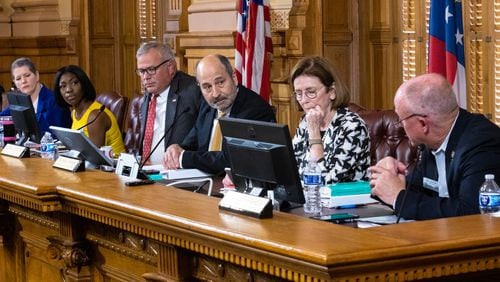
(150,127)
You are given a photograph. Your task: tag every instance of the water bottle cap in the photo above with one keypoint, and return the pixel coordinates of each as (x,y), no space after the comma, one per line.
(489,176)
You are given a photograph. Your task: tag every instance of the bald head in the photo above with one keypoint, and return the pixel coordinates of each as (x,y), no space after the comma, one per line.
(218,82)
(429,94)
(214,60)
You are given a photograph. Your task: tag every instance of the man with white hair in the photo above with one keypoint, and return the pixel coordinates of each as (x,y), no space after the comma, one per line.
(458,149)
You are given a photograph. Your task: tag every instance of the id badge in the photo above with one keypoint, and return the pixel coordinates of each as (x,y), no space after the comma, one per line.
(431,184)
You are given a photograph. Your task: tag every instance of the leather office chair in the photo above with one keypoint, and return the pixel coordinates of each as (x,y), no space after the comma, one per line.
(385,138)
(116,103)
(132,131)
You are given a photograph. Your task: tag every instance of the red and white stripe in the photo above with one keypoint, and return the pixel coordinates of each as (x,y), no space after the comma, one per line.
(253,43)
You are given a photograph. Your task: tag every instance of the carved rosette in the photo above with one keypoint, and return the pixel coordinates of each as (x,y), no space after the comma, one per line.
(72,254)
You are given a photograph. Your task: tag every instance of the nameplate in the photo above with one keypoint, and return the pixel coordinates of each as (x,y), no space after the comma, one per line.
(245,204)
(16,151)
(69,164)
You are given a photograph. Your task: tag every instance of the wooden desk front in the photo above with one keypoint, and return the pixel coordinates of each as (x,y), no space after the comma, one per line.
(89,226)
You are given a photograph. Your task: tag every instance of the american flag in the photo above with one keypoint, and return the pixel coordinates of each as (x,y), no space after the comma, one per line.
(446,45)
(253,43)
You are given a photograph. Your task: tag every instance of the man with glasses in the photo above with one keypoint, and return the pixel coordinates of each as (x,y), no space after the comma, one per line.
(201,149)
(457,149)
(171,100)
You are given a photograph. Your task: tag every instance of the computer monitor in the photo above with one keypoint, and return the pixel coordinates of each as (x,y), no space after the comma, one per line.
(24,117)
(261,155)
(76,140)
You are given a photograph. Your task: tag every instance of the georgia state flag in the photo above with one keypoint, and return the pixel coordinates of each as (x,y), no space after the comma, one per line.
(446,45)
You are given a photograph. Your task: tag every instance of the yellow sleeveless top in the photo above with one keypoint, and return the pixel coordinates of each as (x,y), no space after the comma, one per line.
(113,135)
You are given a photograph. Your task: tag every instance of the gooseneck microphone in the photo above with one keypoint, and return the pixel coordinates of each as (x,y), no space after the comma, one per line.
(141,164)
(101,109)
(420,148)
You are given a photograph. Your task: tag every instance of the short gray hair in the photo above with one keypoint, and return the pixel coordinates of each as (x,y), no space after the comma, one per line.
(430,94)
(164,49)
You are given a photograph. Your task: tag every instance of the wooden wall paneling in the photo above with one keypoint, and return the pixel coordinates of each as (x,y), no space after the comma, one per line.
(149,25)
(412,38)
(495,92)
(381,34)
(493,59)
(476,52)
(31,253)
(104,45)
(113,41)
(47,52)
(482,49)
(366,82)
(341,41)
(129,37)
(7,248)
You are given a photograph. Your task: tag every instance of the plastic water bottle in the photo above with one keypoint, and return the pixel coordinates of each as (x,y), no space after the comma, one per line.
(312,184)
(47,146)
(1,133)
(489,195)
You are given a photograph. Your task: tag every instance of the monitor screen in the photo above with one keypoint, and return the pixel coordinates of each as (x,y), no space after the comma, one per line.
(261,154)
(76,140)
(24,117)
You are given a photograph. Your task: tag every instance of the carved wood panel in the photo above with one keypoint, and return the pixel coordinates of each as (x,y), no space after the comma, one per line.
(341,41)
(113,40)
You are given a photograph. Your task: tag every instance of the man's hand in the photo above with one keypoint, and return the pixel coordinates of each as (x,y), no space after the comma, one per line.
(227,182)
(386,182)
(392,164)
(172,156)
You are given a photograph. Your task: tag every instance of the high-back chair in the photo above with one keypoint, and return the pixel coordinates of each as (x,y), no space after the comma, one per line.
(386,139)
(132,130)
(116,103)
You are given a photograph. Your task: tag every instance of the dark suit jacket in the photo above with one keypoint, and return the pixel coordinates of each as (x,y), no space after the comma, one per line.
(184,99)
(247,105)
(48,112)
(473,150)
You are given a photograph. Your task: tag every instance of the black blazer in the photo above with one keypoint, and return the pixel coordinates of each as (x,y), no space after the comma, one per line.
(473,150)
(247,105)
(184,99)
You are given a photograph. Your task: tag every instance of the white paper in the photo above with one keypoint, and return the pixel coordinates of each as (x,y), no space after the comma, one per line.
(383,220)
(186,173)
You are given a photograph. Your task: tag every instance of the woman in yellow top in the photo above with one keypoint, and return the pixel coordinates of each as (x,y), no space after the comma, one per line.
(73,88)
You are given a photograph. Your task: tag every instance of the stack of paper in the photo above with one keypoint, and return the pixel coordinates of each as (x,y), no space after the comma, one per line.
(174,174)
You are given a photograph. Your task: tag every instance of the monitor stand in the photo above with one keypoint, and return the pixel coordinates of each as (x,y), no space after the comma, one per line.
(22,139)
(252,188)
(286,206)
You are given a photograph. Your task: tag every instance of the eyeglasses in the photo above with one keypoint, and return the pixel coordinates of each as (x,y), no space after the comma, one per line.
(309,93)
(399,123)
(151,70)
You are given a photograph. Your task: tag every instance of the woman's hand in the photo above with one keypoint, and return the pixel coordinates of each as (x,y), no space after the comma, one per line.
(314,118)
